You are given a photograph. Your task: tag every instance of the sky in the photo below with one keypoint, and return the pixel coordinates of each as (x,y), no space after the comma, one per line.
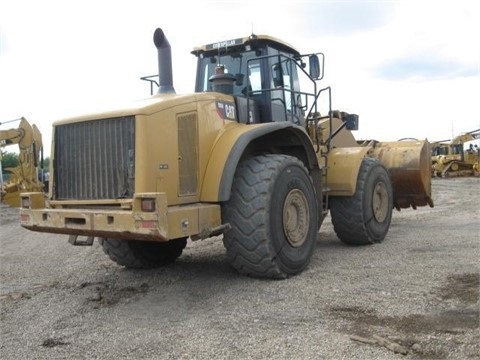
(407,68)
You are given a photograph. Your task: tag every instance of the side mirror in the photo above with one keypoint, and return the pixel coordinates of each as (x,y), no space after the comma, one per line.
(314,67)
(351,121)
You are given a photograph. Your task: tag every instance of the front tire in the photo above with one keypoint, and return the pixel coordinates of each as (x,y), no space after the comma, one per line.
(365,217)
(136,254)
(273,214)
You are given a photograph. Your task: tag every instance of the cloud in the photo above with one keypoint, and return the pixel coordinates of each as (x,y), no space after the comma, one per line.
(83,55)
(3,42)
(343,17)
(423,67)
(430,40)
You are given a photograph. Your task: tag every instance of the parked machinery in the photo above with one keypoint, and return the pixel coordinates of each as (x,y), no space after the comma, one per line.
(449,158)
(24,177)
(250,156)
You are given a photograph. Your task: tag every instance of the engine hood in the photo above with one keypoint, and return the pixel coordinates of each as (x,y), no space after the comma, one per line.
(147,107)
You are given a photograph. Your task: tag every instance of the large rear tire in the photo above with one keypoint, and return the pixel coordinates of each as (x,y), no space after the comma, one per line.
(365,217)
(137,254)
(273,214)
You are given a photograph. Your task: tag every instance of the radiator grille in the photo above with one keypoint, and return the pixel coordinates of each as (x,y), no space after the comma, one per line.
(95,159)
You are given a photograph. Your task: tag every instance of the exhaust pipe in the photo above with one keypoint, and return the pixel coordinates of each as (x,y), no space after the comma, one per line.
(164,62)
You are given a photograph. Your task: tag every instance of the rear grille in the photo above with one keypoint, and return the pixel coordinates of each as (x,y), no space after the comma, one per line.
(95,159)
(188,153)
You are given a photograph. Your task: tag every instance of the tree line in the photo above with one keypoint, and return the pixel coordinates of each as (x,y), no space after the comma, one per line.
(10,160)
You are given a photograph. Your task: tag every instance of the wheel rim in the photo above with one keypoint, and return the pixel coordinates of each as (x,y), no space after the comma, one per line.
(380,202)
(295,218)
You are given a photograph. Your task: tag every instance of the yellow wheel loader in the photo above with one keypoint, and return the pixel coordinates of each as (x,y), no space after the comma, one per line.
(250,155)
(23,177)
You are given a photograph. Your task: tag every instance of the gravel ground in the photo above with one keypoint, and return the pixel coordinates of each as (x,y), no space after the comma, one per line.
(419,289)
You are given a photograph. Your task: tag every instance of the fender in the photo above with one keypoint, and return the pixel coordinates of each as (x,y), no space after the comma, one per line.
(343,167)
(230,146)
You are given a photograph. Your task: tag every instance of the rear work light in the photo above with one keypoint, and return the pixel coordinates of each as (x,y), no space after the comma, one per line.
(33,200)
(148,205)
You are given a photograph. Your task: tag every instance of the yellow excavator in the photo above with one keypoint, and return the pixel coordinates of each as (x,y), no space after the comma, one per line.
(23,177)
(449,158)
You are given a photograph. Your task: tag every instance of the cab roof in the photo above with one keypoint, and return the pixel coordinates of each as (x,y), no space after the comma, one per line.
(240,43)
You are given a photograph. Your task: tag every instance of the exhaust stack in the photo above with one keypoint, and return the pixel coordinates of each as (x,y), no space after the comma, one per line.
(164,62)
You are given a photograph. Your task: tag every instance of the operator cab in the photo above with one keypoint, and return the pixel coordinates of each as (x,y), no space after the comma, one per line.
(261,73)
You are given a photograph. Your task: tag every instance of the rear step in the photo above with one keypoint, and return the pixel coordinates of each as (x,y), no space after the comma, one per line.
(74,240)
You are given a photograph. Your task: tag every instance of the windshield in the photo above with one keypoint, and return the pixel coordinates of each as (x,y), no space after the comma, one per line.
(235,64)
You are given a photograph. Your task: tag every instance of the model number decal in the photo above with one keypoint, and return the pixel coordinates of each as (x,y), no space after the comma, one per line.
(226,110)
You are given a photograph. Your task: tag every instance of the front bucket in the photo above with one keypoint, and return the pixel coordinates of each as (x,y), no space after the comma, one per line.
(409,165)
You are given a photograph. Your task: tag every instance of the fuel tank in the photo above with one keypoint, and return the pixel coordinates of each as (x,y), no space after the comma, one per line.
(409,165)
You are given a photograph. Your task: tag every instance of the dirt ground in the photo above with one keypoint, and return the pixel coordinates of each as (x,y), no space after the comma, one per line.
(415,296)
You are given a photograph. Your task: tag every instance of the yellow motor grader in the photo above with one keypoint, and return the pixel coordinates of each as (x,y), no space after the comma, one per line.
(250,155)
(23,177)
